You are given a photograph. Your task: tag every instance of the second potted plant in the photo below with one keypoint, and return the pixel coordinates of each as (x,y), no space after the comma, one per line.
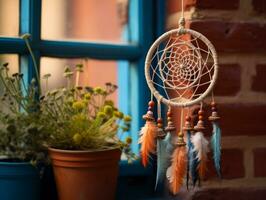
(84,146)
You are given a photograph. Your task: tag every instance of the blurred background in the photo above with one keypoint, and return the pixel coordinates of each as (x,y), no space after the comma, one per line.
(237,28)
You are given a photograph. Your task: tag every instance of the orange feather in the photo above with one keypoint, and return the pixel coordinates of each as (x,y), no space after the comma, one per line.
(147,139)
(178,169)
(202,168)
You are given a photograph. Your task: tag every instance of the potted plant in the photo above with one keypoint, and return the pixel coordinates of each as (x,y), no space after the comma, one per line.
(22,132)
(84,145)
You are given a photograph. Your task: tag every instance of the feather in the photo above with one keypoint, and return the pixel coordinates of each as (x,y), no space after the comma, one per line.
(170,147)
(147,141)
(178,169)
(201,149)
(216,147)
(164,151)
(193,166)
(189,149)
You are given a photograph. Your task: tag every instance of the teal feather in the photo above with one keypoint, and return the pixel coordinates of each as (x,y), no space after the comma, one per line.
(216,147)
(192,161)
(189,149)
(164,151)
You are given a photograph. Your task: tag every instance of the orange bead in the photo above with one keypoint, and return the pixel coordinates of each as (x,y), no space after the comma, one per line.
(169,114)
(188,118)
(159,120)
(213,104)
(200,112)
(160,125)
(151,104)
(200,117)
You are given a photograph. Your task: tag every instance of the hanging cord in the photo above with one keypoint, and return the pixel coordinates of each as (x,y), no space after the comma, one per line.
(212,97)
(181,22)
(181,118)
(151,96)
(201,105)
(182,6)
(159,108)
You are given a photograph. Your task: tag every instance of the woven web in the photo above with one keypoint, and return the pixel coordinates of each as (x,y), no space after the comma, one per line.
(182,68)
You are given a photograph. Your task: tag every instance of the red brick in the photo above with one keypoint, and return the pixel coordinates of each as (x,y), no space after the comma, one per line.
(175,5)
(232,164)
(246,193)
(233,36)
(259,80)
(259,6)
(229,80)
(237,119)
(221,5)
(259,162)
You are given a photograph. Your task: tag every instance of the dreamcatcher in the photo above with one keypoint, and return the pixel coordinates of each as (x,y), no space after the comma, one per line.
(181,69)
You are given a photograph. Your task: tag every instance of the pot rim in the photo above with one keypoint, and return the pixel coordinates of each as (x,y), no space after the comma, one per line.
(82,151)
(14,163)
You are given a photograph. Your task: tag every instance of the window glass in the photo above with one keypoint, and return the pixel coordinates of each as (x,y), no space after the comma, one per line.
(95,73)
(9,17)
(89,20)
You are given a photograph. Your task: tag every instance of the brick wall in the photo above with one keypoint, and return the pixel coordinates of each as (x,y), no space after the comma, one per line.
(237,28)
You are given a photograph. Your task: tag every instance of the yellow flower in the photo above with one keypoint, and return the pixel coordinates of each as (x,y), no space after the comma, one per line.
(101,115)
(127,118)
(118,114)
(79,117)
(128,140)
(87,96)
(98,90)
(108,110)
(78,105)
(77,138)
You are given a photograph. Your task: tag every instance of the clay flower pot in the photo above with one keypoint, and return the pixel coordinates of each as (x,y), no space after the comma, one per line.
(85,175)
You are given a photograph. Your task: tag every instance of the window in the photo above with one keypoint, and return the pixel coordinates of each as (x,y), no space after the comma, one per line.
(57,38)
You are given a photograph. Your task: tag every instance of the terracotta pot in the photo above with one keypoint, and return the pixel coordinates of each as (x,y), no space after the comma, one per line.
(85,175)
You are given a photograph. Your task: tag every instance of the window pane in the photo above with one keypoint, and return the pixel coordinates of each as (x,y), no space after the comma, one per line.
(9,17)
(90,20)
(96,73)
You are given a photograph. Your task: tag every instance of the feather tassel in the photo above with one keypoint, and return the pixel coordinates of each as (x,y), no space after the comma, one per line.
(189,147)
(147,140)
(177,171)
(193,166)
(165,149)
(216,147)
(201,150)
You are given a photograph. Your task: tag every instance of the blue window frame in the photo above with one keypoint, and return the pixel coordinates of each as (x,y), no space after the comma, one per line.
(146,21)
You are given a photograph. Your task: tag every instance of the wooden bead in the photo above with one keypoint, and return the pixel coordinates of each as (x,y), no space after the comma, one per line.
(214,109)
(169,114)
(213,104)
(200,117)
(200,112)
(159,120)
(160,125)
(151,104)
(188,118)
(169,118)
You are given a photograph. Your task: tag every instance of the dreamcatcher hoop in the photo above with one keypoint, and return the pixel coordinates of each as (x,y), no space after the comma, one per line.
(177,69)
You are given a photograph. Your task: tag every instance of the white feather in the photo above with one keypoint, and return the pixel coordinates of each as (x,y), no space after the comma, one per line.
(200,145)
(169,174)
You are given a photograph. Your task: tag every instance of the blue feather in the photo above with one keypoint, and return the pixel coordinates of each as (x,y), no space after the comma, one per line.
(216,147)
(192,161)
(164,151)
(189,148)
